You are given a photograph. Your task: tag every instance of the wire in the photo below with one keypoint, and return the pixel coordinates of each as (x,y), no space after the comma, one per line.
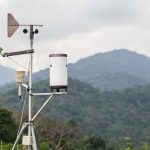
(24,101)
(22,113)
(17,63)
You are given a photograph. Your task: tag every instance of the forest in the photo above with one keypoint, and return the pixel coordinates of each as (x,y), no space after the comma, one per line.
(86,118)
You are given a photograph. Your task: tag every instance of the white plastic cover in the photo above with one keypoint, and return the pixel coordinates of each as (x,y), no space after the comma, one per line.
(26,140)
(58,71)
(20,75)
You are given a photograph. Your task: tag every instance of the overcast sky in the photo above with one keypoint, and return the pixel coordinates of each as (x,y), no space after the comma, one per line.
(77,27)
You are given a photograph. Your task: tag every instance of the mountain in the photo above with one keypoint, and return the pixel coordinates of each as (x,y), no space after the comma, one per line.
(6,75)
(117,69)
(111,114)
(113,70)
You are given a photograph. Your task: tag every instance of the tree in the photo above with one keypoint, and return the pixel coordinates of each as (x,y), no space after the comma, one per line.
(61,136)
(7,126)
(95,143)
(145,146)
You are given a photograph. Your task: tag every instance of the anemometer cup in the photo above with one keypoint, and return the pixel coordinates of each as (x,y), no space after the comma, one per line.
(25,31)
(36,31)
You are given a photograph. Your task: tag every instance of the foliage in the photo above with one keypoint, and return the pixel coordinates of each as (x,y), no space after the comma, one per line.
(145,146)
(44,145)
(6,146)
(113,114)
(7,126)
(60,136)
(95,143)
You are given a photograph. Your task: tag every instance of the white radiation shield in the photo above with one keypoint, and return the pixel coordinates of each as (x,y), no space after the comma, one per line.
(58,72)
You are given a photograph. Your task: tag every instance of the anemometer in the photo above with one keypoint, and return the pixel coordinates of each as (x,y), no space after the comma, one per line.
(58,81)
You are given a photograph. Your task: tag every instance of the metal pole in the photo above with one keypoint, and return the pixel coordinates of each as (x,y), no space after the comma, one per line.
(42,107)
(30,82)
(35,147)
(53,93)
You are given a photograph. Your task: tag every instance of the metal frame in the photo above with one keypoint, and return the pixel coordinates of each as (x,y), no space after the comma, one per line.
(18,53)
(30,123)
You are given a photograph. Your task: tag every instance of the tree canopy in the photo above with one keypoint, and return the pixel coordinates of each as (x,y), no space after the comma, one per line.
(7,126)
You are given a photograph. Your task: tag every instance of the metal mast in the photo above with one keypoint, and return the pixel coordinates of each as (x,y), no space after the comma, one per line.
(30,80)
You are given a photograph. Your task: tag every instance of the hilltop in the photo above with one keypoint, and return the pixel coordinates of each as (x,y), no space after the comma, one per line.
(117,69)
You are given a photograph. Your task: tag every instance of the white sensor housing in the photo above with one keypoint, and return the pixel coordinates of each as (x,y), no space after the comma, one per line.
(58,72)
(20,75)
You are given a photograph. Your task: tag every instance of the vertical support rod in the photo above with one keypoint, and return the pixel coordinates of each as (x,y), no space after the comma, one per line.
(35,145)
(30,82)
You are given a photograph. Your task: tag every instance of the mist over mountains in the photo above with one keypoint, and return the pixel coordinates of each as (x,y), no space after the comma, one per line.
(6,75)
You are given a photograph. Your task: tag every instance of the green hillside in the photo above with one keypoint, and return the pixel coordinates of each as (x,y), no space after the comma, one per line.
(117,69)
(7,75)
(114,114)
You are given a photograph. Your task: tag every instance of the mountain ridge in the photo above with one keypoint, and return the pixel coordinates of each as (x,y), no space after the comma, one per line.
(6,75)
(117,69)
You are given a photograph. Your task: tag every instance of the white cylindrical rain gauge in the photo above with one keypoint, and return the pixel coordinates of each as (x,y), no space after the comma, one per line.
(20,75)
(58,72)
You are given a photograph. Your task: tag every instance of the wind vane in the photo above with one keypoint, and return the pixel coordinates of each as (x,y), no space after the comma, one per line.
(13,25)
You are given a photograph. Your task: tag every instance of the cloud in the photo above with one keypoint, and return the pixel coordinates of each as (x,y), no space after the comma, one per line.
(78,27)
(64,17)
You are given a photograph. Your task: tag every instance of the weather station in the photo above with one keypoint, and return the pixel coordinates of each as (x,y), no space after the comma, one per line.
(58,82)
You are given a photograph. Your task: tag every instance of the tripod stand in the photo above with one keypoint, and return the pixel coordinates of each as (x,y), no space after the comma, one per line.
(31,140)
